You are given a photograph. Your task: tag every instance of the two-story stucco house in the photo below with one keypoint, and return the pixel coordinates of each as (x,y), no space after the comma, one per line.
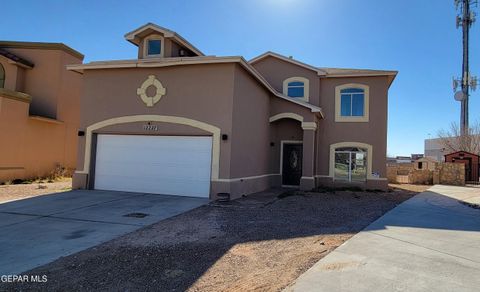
(175,121)
(39,109)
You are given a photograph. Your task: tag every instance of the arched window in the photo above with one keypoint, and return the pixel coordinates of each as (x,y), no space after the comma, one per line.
(351,161)
(350,164)
(351,103)
(2,76)
(296,87)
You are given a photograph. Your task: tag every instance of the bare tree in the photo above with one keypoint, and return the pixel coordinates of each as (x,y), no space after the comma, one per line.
(454,140)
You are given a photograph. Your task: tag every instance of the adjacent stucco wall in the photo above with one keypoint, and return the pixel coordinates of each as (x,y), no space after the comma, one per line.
(373,132)
(251,128)
(33,147)
(29,148)
(276,71)
(200,92)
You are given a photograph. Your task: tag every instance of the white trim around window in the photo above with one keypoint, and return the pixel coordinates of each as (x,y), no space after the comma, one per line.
(145,46)
(306,87)
(366,103)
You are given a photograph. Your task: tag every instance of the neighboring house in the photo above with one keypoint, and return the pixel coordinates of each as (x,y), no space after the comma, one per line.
(175,121)
(434,148)
(39,109)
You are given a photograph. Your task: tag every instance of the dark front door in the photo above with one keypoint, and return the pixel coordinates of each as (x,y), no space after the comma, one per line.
(292,164)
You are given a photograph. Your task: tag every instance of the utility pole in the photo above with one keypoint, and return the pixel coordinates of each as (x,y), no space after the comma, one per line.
(465,19)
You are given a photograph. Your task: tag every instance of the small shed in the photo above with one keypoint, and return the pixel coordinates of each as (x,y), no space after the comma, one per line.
(471,163)
(425,163)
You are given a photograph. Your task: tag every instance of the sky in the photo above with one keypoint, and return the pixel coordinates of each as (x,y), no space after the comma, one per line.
(418,38)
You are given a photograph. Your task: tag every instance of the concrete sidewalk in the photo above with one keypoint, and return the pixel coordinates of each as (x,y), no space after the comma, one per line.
(429,243)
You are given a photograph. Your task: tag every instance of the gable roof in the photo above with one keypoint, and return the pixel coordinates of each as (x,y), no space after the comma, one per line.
(284,58)
(326,72)
(131,36)
(165,62)
(16,59)
(41,46)
(457,152)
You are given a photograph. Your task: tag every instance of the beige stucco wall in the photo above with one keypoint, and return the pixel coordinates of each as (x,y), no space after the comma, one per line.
(373,132)
(276,71)
(200,92)
(31,146)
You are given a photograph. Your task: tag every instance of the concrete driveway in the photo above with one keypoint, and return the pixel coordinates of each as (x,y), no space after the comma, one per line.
(39,230)
(429,243)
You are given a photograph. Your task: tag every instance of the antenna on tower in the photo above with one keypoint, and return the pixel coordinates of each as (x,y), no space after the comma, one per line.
(465,19)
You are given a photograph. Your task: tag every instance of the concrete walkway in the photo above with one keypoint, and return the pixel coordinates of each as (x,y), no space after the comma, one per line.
(39,230)
(429,243)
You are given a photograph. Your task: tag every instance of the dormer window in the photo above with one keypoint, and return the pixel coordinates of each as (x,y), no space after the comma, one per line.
(296,87)
(153,46)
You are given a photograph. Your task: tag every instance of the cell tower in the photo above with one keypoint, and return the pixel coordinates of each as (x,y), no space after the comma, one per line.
(465,19)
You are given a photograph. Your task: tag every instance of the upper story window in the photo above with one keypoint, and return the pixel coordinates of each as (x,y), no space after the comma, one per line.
(296,87)
(2,76)
(351,103)
(153,46)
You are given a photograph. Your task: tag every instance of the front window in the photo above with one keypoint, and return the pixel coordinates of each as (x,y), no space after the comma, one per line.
(296,87)
(154,47)
(352,102)
(2,76)
(350,164)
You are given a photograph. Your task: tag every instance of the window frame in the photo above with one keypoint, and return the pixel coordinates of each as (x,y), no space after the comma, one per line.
(369,153)
(338,103)
(306,87)
(154,37)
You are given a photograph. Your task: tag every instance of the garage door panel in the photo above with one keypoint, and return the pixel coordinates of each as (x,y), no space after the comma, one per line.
(154,164)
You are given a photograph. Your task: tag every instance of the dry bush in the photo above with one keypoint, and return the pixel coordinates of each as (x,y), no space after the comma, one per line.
(454,140)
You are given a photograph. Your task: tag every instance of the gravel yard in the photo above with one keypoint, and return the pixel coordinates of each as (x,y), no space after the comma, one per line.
(260,242)
(22,191)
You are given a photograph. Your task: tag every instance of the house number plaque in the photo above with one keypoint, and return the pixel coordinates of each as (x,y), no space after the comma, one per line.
(149,127)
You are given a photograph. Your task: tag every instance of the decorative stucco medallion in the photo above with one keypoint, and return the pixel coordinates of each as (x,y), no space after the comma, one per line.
(142,91)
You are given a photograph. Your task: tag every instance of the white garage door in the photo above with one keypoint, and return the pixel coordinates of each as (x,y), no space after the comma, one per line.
(173,165)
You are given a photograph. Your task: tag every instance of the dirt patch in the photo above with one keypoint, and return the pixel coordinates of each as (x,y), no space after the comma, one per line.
(261,242)
(22,191)
(410,187)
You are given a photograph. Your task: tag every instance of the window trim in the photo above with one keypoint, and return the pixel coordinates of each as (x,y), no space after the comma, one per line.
(306,87)
(153,37)
(366,103)
(2,76)
(368,147)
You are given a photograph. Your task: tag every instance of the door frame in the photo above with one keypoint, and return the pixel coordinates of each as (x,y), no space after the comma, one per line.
(282,143)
